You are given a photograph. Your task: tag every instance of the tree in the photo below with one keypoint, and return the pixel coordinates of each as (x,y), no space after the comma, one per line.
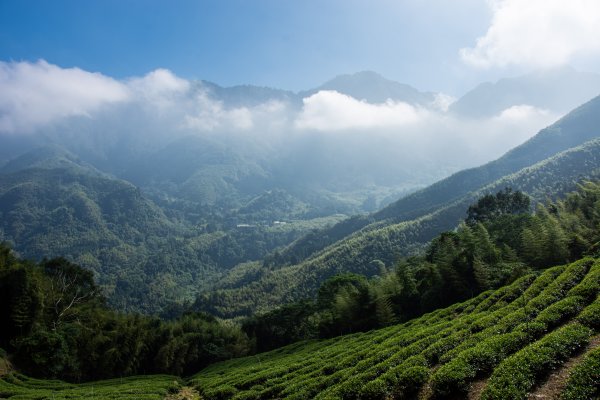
(492,206)
(70,285)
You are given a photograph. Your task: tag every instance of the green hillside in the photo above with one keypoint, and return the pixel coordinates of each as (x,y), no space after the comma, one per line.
(387,242)
(506,341)
(143,255)
(502,344)
(151,387)
(576,128)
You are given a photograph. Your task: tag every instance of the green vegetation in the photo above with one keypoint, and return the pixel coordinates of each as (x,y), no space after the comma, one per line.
(145,258)
(584,381)
(388,242)
(363,317)
(516,375)
(152,387)
(201,219)
(516,334)
(575,129)
(56,325)
(456,265)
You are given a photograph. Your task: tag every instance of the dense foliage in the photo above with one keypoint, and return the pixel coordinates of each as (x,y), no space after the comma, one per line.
(144,257)
(456,265)
(516,334)
(584,380)
(57,325)
(491,206)
(388,241)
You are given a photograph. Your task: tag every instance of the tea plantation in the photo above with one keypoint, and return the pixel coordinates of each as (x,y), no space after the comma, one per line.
(151,387)
(509,340)
(506,341)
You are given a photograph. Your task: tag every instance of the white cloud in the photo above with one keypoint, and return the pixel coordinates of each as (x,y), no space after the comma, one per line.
(537,33)
(159,83)
(205,114)
(160,107)
(36,94)
(521,112)
(331,111)
(208,115)
(442,102)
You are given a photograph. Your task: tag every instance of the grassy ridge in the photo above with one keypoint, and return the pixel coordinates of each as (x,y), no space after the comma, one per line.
(514,335)
(152,387)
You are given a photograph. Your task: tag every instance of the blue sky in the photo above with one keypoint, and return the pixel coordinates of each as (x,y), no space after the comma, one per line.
(279,43)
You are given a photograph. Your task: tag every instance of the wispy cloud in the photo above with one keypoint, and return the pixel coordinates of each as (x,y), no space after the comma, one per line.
(158,85)
(537,33)
(35,94)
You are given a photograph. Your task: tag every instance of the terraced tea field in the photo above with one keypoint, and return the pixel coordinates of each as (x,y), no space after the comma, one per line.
(500,345)
(152,387)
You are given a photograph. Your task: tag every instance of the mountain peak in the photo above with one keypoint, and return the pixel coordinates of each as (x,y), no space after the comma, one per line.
(372,87)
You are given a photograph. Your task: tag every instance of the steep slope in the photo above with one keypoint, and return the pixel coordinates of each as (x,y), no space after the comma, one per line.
(576,128)
(387,241)
(515,336)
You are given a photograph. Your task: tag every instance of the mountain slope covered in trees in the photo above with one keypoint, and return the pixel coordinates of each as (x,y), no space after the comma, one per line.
(576,128)
(405,226)
(145,257)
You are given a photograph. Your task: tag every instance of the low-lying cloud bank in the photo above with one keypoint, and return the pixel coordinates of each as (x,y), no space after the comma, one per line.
(36,96)
(33,95)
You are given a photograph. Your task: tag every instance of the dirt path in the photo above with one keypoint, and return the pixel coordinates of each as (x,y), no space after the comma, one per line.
(5,367)
(554,385)
(185,393)
(476,389)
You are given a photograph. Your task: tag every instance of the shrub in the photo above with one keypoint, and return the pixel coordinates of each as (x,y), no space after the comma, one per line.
(590,285)
(584,381)
(456,375)
(590,316)
(223,392)
(517,374)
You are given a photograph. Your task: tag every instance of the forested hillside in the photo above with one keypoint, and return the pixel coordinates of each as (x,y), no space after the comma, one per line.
(57,325)
(246,288)
(215,200)
(576,128)
(144,257)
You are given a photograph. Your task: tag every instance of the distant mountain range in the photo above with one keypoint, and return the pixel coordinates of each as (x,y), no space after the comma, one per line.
(558,90)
